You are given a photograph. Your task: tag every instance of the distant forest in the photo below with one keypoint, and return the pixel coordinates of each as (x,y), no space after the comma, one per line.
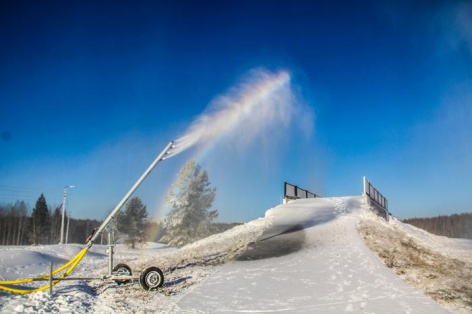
(454,226)
(18,227)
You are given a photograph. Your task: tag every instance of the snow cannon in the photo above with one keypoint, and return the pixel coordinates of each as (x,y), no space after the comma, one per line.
(151,278)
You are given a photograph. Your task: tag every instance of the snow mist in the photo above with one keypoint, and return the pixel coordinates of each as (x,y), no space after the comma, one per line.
(261,104)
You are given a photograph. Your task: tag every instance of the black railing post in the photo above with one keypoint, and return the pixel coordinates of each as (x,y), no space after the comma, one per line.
(297,192)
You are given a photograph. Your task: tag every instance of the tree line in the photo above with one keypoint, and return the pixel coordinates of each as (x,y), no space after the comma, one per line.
(42,226)
(453,226)
(189,217)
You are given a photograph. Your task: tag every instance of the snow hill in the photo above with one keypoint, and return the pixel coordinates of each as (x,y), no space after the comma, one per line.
(303,257)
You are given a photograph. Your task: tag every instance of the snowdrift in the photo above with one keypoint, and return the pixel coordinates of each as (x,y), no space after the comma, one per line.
(303,257)
(332,271)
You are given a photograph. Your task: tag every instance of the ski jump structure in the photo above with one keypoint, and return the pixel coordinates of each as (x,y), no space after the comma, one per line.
(372,197)
(151,278)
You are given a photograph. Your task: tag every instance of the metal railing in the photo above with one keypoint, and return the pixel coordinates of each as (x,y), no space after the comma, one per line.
(294,192)
(376,199)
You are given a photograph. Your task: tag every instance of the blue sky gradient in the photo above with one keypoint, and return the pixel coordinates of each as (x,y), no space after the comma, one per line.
(91,91)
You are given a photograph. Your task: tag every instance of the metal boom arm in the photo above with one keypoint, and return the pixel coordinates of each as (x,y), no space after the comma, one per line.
(160,157)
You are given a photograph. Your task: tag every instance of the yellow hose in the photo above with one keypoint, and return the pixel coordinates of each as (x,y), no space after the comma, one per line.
(68,267)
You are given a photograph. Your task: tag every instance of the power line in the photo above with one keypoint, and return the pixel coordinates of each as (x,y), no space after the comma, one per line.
(10,193)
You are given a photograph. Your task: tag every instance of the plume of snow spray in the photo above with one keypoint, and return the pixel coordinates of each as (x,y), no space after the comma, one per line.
(257,110)
(262,102)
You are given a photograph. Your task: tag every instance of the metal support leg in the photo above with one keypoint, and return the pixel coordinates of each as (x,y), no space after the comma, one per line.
(50,281)
(111,245)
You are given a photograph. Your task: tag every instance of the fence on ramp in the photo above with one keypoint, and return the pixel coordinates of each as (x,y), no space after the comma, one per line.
(293,192)
(375,199)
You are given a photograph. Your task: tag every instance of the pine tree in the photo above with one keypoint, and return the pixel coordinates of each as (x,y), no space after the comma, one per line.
(189,200)
(40,222)
(132,222)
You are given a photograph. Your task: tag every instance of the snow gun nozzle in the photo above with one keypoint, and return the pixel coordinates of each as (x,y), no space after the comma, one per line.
(165,155)
(169,151)
(90,237)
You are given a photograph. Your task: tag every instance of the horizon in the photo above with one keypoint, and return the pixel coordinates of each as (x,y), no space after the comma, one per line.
(91,92)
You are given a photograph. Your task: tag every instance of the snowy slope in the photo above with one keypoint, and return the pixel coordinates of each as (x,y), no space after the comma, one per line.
(332,271)
(309,258)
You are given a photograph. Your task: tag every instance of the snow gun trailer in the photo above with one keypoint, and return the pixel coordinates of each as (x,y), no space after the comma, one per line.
(151,278)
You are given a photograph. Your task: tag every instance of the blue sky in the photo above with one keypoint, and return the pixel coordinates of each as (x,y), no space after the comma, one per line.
(92,91)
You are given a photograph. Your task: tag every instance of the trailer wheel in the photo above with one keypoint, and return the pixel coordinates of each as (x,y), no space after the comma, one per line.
(122,270)
(151,278)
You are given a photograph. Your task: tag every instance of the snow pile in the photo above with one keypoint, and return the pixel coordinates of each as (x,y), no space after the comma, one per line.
(439,266)
(303,257)
(194,262)
(19,262)
(182,268)
(326,268)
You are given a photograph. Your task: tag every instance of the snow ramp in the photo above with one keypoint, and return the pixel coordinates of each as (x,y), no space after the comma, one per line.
(310,260)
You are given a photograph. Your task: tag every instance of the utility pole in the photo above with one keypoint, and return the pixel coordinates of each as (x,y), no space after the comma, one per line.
(64,197)
(67,229)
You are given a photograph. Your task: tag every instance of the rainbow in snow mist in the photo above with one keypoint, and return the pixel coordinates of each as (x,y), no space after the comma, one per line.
(261,104)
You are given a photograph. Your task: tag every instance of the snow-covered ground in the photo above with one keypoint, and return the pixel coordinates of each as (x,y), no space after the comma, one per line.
(303,257)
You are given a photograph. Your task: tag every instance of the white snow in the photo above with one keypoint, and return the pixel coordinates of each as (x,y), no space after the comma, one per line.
(309,259)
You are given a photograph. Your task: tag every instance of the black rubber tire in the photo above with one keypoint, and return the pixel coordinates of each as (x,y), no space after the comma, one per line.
(122,269)
(151,278)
